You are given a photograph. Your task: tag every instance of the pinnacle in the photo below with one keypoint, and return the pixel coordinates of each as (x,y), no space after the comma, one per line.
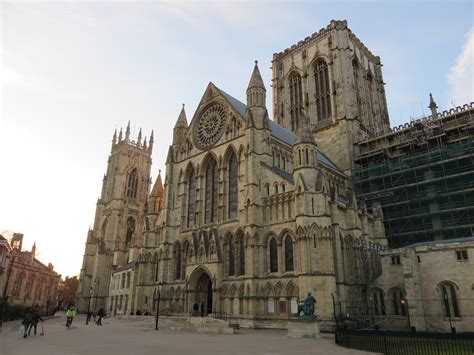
(304,133)
(256,80)
(182,121)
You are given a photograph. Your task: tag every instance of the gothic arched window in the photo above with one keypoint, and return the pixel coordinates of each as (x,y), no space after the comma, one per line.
(233,186)
(231,256)
(322,90)
(273,255)
(450,300)
(212,191)
(241,256)
(177,256)
(296,99)
(289,265)
(191,199)
(132,184)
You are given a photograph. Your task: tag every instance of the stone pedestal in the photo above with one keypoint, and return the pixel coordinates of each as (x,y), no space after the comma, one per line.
(304,327)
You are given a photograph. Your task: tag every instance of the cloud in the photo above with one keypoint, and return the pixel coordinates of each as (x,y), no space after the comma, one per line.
(460,77)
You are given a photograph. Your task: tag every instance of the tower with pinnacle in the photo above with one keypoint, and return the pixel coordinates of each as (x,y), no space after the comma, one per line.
(115,239)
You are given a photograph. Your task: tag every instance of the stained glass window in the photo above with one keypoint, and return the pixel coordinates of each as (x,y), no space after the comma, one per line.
(212,191)
(289,265)
(296,100)
(191,199)
(241,256)
(322,90)
(231,256)
(273,255)
(132,185)
(233,186)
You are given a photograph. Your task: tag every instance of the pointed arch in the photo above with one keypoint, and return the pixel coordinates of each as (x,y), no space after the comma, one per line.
(132,184)
(211,190)
(273,246)
(322,89)
(277,289)
(241,252)
(191,194)
(289,256)
(296,99)
(449,298)
(267,290)
(231,255)
(233,185)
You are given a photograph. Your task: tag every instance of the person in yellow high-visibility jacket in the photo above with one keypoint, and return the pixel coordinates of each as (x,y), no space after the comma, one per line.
(70,313)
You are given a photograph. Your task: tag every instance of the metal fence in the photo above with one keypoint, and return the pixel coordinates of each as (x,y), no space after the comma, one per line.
(407,343)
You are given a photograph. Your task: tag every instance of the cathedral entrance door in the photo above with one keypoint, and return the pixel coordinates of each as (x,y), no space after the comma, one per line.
(204,294)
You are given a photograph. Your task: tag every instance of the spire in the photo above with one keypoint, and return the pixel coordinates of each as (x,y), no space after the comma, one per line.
(433,107)
(150,147)
(256,91)
(156,195)
(127,132)
(180,128)
(139,139)
(120,137)
(144,144)
(33,250)
(182,122)
(256,80)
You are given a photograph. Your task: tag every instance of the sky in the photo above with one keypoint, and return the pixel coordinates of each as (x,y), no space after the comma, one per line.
(72,72)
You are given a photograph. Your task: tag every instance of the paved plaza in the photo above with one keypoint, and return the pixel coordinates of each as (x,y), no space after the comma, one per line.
(127,337)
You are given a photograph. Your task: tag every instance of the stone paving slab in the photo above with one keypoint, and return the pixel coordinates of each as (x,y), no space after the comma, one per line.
(127,337)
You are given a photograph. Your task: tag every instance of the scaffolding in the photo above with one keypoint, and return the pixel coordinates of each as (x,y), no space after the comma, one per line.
(423,176)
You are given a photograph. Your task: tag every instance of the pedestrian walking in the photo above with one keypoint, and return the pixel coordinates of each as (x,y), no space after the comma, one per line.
(70,313)
(89,316)
(26,322)
(35,318)
(100,315)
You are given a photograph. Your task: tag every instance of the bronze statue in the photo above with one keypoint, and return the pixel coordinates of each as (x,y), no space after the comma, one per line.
(307,307)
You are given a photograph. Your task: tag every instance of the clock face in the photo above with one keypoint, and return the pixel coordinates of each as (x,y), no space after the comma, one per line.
(210,126)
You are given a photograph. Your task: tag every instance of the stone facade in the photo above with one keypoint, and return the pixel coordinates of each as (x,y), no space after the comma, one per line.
(254,213)
(428,286)
(333,79)
(116,240)
(25,281)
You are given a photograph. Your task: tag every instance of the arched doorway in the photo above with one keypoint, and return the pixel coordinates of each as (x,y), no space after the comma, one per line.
(203,294)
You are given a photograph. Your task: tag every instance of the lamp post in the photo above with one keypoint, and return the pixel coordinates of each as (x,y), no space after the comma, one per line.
(91,291)
(160,285)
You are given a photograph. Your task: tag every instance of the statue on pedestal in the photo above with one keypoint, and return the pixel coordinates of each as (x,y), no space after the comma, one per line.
(307,307)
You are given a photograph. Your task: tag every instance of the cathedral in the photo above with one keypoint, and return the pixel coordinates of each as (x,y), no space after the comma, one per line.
(253,212)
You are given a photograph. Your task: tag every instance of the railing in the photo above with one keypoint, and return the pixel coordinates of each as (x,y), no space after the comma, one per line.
(407,343)
(219,315)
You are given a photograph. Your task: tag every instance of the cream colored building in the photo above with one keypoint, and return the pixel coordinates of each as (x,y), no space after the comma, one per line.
(428,286)
(254,213)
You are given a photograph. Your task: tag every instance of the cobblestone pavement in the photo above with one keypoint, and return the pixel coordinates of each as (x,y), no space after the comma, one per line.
(130,337)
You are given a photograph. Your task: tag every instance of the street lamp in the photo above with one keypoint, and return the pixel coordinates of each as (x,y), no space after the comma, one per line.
(91,291)
(160,286)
